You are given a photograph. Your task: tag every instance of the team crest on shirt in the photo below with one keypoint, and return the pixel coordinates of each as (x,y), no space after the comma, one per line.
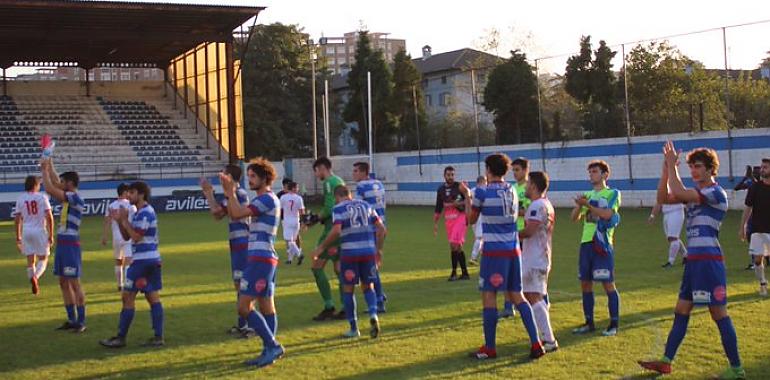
(720,293)
(350,275)
(260,285)
(496,280)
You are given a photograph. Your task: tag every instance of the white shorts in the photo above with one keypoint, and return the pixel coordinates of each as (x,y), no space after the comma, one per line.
(290,232)
(672,223)
(121,249)
(760,244)
(35,242)
(534,281)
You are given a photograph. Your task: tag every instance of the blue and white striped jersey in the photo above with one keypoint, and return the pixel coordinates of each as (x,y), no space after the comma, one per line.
(357,219)
(372,192)
(498,204)
(239,228)
(145,222)
(265,214)
(703,221)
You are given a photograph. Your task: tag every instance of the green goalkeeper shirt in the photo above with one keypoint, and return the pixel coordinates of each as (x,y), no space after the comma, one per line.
(329,184)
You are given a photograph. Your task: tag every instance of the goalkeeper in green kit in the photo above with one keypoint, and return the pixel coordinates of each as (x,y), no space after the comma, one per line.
(322,168)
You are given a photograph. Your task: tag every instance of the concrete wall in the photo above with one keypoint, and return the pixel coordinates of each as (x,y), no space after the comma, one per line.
(565,163)
(119,89)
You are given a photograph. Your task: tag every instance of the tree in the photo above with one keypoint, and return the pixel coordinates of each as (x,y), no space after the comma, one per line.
(383,120)
(406,87)
(277,93)
(511,95)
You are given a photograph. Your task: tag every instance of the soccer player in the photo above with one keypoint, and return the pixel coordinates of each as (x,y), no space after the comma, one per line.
(353,222)
(501,257)
(704,282)
(322,168)
(478,241)
(598,209)
(372,191)
(258,282)
(673,217)
(451,201)
(68,263)
(520,169)
(34,229)
(536,237)
(292,209)
(284,187)
(238,230)
(756,218)
(121,248)
(144,273)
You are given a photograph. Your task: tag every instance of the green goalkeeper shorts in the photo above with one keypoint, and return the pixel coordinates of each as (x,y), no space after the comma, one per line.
(332,252)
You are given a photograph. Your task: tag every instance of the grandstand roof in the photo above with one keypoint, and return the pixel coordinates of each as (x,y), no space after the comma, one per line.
(111,32)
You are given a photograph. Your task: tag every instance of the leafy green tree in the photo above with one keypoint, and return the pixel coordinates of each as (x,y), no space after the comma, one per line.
(511,95)
(406,87)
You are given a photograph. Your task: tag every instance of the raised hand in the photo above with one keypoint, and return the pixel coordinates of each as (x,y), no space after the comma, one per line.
(227,182)
(670,154)
(206,186)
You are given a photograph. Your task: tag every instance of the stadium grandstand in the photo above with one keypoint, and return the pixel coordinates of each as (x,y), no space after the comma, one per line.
(183,125)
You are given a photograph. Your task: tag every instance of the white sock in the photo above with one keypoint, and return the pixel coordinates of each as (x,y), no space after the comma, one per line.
(682,249)
(759,271)
(119,274)
(543,320)
(673,250)
(478,244)
(30,273)
(40,267)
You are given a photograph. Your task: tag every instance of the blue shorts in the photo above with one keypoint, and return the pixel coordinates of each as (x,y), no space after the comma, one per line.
(595,267)
(144,276)
(500,274)
(258,279)
(353,272)
(67,261)
(704,282)
(238,262)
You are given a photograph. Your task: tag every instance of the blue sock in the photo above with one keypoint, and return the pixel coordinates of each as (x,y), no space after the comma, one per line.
(588,307)
(525,310)
(378,288)
(613,303)
(546,300)
(371,302)
(729,341)
(676,335)
(489,316)
(258,323)
(156,312)
(70,312)
(349,300)
(81,314)
(126,316)
(272,322)
(508,307)
(241,321)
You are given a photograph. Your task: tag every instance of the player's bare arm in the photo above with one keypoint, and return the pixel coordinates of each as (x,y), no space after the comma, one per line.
(217,211)
(17,223)
(334,234)
(380,234)
(530,228)
(126,230)
(577,213)
(744,222)
(234,208)
(49,226)
(106,229)
(51,180)
(675,185)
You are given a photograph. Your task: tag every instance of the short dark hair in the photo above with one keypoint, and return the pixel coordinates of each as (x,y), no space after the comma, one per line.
(263,169)
(449,169)
(362,166)
(540,180)
(603,166)
(322,161)
(341,191)
(234,171)
(293,186)
(286,181)
(30,182)
(122,188)
(707,156)
(141,187)
(522,162)
(766,160)
(481,178)
(71,177)
(498,163)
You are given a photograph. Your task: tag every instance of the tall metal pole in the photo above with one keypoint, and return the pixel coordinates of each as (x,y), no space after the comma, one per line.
(540,114)
(417,126)
(476,121)
(327,126)
(628,114)
(369,101)
(727,108)
(312,89)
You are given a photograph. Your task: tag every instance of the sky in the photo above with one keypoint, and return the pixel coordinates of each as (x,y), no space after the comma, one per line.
(545,28)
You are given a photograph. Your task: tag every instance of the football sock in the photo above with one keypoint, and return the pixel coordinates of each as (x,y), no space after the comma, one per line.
(322,282)
(588,307)
(378,287)
(463,266)
(613,304)
(455,260)
(257,323)
(508,306)
(673,250)
(40,267)
(371,301)
(70,312)
(525,310)
(272,322)
(759,271)
(81,314)
(350,310)
(30,273)
(341,288)
(489,316)
(241,321)
(156,312)
(729,341)
(676,335)
(126,316)
(543,321)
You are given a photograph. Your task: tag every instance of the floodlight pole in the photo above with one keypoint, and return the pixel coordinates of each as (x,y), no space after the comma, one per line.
(327,126)
(369,100)
(312,89)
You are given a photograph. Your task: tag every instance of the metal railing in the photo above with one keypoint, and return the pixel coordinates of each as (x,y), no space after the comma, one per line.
(121,171)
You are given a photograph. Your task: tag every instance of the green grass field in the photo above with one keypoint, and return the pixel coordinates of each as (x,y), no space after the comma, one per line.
(430,326)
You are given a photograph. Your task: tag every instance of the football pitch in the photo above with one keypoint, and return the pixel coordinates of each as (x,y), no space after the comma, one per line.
(430,327)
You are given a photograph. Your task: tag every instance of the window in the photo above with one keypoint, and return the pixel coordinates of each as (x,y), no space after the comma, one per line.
(106,75)
(425,82)
(445,99)
(126,75)
(443,80)
(146,73)
(329,51)
(90,76)
(341,49)
(428,100)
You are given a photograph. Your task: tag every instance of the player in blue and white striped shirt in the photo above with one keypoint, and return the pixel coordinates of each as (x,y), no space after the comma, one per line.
(704,281)
(361,232)
(238,232)
(372,192)
(68,263)
(144,273)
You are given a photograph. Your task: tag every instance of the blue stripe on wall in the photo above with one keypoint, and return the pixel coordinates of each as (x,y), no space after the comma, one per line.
(718,143)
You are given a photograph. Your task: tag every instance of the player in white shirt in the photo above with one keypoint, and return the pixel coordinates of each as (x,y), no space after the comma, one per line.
(121,248)
(292,209)
(536,254)
(34,229)
(478,242)
(673,218)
